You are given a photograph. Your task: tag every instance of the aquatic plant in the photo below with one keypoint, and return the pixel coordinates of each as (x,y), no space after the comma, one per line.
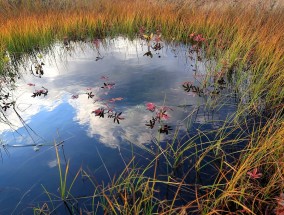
(254,174)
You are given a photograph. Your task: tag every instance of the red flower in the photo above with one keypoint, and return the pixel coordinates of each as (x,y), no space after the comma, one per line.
(30,84)
(253,174)
(151,106)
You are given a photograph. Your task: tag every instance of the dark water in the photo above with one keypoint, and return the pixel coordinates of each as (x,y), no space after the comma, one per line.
(130,81)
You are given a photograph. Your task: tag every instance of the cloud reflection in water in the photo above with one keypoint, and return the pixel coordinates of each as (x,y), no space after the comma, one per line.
(137,79)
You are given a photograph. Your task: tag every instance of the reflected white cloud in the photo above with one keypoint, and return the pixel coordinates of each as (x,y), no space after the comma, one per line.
(132,128)
(137,79)
(52,164)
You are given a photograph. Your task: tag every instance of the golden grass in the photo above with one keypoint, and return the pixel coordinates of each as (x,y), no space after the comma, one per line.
(264,152)
(246,32)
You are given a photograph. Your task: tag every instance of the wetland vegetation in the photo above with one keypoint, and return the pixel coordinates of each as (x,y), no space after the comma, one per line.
(146,107)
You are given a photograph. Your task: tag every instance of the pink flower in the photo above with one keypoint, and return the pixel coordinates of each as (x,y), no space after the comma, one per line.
(30,84)
(151,106)
(253,174)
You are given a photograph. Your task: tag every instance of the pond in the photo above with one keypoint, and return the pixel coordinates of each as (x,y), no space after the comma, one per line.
(101,103)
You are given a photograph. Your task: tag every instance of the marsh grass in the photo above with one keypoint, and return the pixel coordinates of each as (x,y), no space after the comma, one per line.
(242,38)
(245,40)
(210,166)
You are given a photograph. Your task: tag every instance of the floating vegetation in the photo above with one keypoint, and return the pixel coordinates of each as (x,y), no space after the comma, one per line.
(160,115)
(40,92)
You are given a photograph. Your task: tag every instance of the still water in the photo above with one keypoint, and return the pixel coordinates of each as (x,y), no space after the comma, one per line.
(64,106)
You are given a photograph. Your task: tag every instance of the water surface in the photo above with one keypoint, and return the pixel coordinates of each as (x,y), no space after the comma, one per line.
(115,75)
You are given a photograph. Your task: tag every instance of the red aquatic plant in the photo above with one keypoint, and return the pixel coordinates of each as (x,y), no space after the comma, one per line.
(40,92)
(90,95)
(152,122)
(254,174)
(99,112)
(117,117)
(162,115)
(108,86)
(199,38)
(151,106)
(196,37)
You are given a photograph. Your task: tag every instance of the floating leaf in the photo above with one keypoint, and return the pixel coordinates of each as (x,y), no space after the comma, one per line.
(99,112)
